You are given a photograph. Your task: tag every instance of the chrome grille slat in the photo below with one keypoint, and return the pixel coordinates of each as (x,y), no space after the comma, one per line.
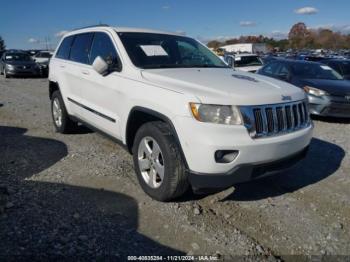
(264,121)
(292,116)
(272,120)
(284,118)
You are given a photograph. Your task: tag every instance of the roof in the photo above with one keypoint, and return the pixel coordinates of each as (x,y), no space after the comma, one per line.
(124,29)
(338,60)
(142,30)
(292,61)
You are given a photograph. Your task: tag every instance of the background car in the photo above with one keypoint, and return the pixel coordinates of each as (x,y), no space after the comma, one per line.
(327,91)
(42,58)
(18,64)
(340,65)
(244,62)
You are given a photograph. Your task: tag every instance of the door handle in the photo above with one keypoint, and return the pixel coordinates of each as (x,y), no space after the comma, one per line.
(85,72)
(62,66)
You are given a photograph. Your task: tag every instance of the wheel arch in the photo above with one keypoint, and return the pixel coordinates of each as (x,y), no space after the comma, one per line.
(140,115)
(53,86)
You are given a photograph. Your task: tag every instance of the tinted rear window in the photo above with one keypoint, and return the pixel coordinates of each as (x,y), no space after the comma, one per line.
(81,48)
(64,49)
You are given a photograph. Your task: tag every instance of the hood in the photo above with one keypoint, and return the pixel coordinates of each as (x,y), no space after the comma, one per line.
(224,86)
(333,87)
(20,63)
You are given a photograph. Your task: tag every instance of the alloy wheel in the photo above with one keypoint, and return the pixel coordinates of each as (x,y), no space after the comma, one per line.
(151,162)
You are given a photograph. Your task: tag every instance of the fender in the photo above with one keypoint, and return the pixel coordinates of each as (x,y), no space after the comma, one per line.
(160,116)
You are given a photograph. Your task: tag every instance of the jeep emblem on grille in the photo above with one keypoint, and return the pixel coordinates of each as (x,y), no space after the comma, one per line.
(285,98)
(347,98)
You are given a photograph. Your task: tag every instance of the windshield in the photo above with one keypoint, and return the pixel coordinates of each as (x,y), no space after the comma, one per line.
(17,57)
(242,61)
(315,71)
(149,50)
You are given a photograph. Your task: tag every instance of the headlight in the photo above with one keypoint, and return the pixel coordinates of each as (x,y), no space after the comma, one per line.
(10,66)
(314,91)
(218,114)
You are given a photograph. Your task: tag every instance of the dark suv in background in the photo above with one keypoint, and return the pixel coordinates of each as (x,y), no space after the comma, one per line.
(328,92)
(342,66)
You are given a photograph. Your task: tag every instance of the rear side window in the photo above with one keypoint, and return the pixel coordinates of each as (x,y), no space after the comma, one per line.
(102,46)
(64,49)
(81,48)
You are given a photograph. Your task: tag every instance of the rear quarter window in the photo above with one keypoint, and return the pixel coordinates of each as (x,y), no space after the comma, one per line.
(64,49)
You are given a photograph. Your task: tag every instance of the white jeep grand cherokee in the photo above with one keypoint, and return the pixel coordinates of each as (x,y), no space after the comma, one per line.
(184,115)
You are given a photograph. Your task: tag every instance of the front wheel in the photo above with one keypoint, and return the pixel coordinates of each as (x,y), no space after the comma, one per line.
(158,162)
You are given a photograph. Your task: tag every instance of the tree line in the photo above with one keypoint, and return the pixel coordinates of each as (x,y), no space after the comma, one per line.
(299,37)
(2,44)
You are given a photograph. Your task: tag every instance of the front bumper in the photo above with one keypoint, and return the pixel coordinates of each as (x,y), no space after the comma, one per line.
(244,172)
(332,106)
(29,72)
(199,142)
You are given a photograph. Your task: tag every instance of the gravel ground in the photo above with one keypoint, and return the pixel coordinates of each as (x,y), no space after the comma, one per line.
(77,195)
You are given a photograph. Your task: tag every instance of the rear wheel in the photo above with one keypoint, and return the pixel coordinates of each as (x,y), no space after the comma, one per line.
(158,162)
(63,124)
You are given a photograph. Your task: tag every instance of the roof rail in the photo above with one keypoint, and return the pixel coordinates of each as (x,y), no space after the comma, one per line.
(98,25)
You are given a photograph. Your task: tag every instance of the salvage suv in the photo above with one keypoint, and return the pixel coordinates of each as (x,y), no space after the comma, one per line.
(185,116)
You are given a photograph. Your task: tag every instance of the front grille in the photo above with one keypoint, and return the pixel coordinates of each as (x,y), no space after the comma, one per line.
(272,120)
(23,67)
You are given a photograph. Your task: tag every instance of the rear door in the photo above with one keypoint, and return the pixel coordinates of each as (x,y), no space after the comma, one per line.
(60,72)
(76,69)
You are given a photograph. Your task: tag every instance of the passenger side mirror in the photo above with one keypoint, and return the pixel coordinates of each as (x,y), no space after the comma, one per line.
(100,66)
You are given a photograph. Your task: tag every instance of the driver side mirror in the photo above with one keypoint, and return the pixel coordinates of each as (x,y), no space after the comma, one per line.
(100,66)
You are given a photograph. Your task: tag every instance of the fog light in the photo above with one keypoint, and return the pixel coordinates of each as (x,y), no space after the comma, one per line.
(225,156)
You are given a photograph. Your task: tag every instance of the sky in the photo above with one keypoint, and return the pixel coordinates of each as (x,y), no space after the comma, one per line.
(30,24)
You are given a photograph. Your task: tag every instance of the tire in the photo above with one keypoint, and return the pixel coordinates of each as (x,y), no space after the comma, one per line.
(174,182)
(63,124)
(4,73)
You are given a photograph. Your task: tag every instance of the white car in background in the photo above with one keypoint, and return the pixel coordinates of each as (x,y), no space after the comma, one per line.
(244,62)
(42,57)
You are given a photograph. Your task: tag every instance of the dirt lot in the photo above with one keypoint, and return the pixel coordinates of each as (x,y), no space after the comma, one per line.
(78,195)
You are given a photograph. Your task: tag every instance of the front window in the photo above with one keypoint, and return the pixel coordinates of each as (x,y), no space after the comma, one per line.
(242,61)
(17,57)
(149,51)
(315,71)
